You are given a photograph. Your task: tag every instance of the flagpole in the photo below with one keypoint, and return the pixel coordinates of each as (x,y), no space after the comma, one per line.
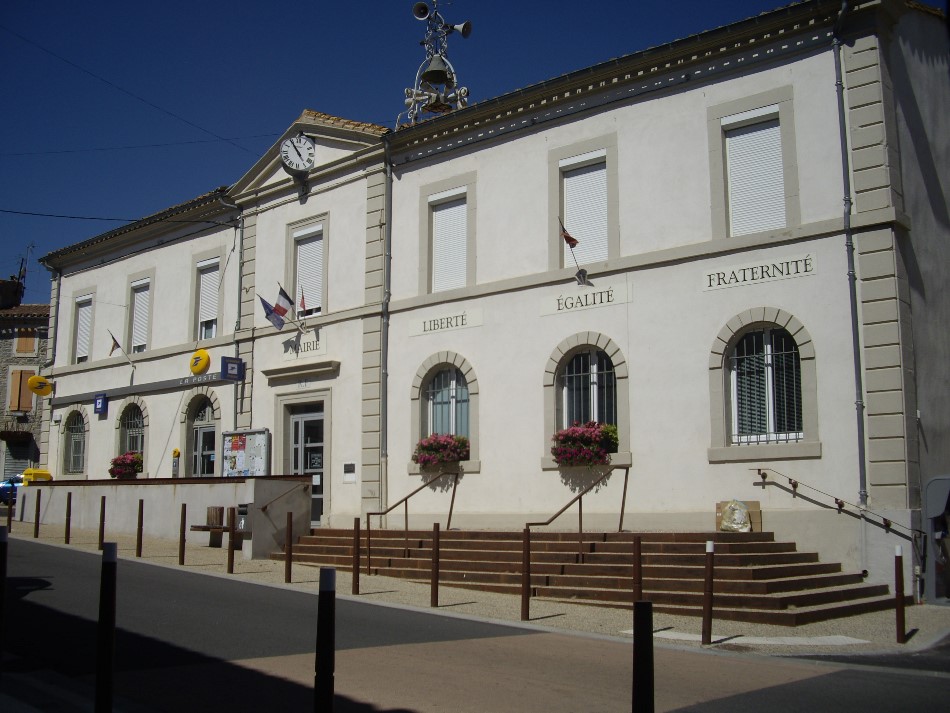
(116,342)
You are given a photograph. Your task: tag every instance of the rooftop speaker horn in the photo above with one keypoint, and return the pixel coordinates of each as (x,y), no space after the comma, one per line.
(420,11)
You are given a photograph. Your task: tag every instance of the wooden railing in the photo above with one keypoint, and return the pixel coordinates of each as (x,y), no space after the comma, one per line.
(405,503)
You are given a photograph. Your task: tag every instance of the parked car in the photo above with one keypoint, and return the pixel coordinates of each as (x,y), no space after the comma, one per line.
(8,488)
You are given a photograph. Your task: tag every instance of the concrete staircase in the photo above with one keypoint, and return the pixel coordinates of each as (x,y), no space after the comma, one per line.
(756,578)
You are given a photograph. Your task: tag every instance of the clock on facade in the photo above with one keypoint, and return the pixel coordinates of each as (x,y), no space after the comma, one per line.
(298,154)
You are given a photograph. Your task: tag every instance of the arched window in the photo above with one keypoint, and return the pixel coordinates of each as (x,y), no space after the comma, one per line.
(132,437)
(763,389)
(74,446)
(766,385)
(588,389)
(446,403)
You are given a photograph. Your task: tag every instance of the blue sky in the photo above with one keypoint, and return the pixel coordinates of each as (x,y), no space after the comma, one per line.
(118,109)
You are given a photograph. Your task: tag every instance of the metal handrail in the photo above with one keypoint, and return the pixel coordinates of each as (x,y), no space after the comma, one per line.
(840,503)
(405,503)
(580,508)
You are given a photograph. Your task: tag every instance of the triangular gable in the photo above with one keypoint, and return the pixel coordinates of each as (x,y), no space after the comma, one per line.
(335,139)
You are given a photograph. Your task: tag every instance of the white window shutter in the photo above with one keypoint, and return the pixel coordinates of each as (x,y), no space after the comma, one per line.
(756,178)
(208,293)
(83,328)
(140,303)
(449,245)
(585,213)
(309,277)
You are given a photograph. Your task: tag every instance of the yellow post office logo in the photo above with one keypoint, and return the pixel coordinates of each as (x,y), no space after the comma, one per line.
(39,385)
(200,361)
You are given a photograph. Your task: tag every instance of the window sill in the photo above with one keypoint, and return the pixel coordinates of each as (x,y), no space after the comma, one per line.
(466,466)
(769,451)
(617,460)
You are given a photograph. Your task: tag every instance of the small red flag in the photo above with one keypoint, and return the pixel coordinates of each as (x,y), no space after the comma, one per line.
(571,241)
(303,302)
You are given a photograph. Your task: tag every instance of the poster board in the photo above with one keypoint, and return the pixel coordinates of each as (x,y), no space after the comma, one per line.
(246,453)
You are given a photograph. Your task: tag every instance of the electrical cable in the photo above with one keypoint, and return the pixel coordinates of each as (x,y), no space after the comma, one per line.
(121,89)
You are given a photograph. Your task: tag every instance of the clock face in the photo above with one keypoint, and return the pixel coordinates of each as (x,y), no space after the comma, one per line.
(298,154)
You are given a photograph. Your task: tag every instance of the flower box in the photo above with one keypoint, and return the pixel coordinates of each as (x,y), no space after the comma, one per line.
(127,465)
(439,451)
(589,444)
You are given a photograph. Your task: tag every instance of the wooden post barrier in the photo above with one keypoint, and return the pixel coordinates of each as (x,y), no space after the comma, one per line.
(10,514)
(899,595)
(105,635)
(102,520)
(181,536)
(708,594)
(138,529)
(69,518)
(356,555)
(434,584)
(325,659)
(289,549)
(231,518)
(643,695)
(36,518)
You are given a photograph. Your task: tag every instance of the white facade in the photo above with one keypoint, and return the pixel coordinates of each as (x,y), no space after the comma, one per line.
(706,180)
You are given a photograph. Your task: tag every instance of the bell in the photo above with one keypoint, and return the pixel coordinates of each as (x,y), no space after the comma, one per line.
(437,72)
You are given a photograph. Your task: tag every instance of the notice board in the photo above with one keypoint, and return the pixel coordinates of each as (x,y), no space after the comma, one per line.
(246,453)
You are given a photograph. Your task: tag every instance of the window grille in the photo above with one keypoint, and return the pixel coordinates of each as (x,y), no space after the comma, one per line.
(447,404)
(589,389)
(767,388)
(75,444)
(133,430)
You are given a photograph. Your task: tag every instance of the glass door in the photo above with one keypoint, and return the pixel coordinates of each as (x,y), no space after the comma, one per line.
(307,454)
(202,464)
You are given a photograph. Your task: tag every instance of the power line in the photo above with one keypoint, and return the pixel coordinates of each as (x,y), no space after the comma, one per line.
(135,146)
(113,220)
(122,89)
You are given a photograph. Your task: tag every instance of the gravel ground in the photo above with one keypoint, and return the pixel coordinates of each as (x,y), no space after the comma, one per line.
(873,633)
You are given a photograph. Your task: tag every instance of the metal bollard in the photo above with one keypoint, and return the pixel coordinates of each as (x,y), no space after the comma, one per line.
(102,520)
(10,515)
(232,513)
(69,517)
(899,595)
(526,574)
(643,694)
(356,556)
(138,529)
(4,546)
(105,637)
(181,536)
(708,594)
(325,660)
(36,519)
(637,568)
(434,584)
(289,549)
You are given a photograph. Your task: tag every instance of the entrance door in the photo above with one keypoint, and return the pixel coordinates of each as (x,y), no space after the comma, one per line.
(306,424)
(203,453)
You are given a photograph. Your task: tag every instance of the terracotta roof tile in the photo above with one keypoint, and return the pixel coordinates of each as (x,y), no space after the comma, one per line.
(25,312)
(344,123)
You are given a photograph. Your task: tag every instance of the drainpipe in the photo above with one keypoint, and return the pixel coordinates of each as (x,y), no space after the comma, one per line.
(852,281)
(384,334)
(240,287)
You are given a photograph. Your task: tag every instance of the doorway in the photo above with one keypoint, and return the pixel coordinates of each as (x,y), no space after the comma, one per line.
(307,451)
(203,433)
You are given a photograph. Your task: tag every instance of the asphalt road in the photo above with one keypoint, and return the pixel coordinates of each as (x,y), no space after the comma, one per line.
(190,642)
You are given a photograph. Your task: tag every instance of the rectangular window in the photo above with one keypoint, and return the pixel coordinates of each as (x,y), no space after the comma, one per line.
(25,341)
(767,402)
(208,284)
(308,279)
(21,398)
(584,206)
(755,180)
(83,329)
(449,211)
(139,310)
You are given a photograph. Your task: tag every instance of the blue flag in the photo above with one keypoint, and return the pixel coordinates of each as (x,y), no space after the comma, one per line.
(272,316)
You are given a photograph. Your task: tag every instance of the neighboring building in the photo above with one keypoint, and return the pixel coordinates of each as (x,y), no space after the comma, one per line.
(23,331)
(715,209)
